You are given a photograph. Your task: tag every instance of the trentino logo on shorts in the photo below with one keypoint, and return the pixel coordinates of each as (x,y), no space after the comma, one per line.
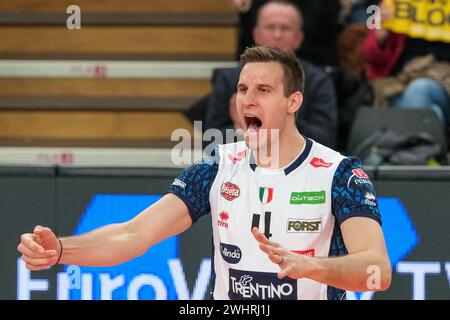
(230,253)
(304,225)
(314,197)
(250,285)
(230,191)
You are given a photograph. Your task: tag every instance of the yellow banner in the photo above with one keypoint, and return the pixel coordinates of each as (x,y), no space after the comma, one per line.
(425,19)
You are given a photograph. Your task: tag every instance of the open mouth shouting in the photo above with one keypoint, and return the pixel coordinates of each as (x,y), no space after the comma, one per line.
(252,124)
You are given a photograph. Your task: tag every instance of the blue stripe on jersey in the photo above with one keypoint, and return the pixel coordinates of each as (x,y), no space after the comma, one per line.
(294,165)
(349,199)
(197,180)
(212,281)
(301,158)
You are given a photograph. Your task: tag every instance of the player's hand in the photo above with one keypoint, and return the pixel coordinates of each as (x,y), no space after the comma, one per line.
(293,265)
(39,249)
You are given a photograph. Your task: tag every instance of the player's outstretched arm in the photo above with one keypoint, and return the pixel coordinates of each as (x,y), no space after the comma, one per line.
(108,245)
(365,268)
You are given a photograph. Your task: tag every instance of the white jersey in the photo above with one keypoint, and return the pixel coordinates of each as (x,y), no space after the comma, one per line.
(292,206)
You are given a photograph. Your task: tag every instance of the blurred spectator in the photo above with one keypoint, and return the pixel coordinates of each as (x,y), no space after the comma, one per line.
(279,25)
(406,72)
(321,27)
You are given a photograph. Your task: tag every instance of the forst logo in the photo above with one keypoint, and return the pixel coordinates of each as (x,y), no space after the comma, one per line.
(297,225)
(230,253)
(230,191)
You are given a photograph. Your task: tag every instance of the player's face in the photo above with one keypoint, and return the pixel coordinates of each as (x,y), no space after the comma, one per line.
(278,26)
(261,104)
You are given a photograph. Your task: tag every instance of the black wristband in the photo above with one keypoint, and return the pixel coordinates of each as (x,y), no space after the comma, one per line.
(60,253)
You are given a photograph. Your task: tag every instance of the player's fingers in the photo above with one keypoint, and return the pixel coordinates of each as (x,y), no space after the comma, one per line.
(284,272)
(269,248)
(277,259)
(32,254)
(39,261)
(260,237)
(36,268)
(43,231)
(27,241)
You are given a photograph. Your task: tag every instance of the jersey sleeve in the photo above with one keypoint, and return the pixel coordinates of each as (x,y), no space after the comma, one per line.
(353,194)
(193,184)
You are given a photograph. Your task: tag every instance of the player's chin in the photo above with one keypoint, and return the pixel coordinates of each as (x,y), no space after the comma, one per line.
(253,143)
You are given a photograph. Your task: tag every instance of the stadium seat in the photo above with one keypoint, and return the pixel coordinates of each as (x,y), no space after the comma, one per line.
(403,121)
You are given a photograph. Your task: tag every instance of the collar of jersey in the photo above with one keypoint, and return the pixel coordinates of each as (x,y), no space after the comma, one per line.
(294,165)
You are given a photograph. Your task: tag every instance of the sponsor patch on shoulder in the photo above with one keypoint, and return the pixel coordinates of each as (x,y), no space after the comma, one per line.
(179,183)
(359,176)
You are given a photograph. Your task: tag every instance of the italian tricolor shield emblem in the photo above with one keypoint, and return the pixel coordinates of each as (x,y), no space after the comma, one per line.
(265,195)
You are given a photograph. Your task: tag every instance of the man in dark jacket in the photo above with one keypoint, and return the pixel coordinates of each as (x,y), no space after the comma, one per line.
(279,25)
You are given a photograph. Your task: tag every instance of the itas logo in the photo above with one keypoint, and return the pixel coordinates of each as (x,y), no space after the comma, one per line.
(231,254)
(359,176)
(249,285)
(235,159)
(265,195)
(314,197)
(230,191)
(359,173)
(309,252)
(223,220)
(371,200)
(317,163)
(304,226)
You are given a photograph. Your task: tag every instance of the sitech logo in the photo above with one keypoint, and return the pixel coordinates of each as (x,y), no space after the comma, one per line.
(230,191)
(158,274)
(314,197)
(317,163)
(249,285)
(230,253)
(223,219)
(304,225)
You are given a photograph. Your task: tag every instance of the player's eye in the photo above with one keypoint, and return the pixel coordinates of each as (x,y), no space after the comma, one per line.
(242,90)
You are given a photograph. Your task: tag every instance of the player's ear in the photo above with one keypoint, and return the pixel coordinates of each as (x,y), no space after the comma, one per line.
(295,101)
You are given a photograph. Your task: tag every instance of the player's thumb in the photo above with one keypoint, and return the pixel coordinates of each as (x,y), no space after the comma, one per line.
(44,233)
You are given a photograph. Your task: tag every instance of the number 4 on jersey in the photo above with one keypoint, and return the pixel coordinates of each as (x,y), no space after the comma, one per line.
(255,223)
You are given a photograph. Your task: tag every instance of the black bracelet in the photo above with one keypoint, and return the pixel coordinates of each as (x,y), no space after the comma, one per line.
(60,254)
